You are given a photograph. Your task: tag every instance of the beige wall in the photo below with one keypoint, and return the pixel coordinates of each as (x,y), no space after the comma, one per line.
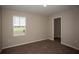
(36,29)
(69,27)
(0,29)
(51,29)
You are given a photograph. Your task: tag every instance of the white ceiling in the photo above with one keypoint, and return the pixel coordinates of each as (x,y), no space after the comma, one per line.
(39,9)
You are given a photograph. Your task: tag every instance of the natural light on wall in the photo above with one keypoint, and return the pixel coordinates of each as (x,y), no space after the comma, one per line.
(19,25)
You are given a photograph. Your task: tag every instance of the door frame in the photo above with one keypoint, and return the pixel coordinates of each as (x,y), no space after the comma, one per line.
(53,25)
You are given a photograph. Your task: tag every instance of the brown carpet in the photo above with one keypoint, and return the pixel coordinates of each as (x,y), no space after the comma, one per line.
(41,47)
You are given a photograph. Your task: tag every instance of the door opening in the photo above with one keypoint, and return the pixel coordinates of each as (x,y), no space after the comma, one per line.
(57,29)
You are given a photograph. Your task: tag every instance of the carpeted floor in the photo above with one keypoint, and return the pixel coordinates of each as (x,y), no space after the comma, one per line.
(41,47)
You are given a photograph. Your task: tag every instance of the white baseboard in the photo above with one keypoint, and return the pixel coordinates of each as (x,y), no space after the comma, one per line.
(23,43)
(70,45)
(51,38)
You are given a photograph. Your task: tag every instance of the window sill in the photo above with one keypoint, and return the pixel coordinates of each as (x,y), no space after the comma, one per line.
(22,34)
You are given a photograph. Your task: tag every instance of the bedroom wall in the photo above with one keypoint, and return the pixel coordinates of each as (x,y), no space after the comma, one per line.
(36,28)
(69,27)
(0,28)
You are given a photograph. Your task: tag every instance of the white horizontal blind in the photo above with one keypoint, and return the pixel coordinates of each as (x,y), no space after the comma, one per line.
(19,25)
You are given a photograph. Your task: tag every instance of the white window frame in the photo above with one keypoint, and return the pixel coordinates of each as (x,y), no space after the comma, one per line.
(21,34)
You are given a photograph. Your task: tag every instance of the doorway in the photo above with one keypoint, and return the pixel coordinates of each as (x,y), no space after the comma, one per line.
(57,29)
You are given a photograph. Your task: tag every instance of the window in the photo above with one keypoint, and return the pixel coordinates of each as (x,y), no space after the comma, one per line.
(19,25)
